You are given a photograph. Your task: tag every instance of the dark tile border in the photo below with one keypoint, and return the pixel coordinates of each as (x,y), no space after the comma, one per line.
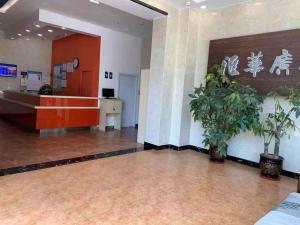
(243,161)
(45,165)
(205,151)
(147,146)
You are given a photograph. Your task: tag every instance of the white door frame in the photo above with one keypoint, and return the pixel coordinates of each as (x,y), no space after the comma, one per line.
(136,102)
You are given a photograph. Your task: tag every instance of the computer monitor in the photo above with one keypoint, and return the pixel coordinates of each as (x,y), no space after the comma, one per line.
(8,70)
(108,93)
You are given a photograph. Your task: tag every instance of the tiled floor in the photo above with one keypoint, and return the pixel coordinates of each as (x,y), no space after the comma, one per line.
(153,187)
(19,147)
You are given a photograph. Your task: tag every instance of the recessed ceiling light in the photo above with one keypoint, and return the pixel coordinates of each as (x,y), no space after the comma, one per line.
(40,35)
(63,28)
(27,31)
(20,35)
(95,2)
(27,39)
(203,6)
(37,25)
(50,30)
(12,38)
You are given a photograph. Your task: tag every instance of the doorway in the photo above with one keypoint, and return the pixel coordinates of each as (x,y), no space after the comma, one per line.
(128,94)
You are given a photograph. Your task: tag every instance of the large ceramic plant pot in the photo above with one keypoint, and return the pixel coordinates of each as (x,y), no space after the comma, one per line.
(215,155)
(271,166)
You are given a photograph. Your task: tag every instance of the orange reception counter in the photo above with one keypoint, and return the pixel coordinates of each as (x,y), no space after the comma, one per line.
(49,112)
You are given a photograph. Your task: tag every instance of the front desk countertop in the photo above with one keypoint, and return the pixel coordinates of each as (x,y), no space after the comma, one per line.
(50,111)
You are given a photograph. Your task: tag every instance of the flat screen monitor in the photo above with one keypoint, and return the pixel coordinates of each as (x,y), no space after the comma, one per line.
(8,70)
(108,93)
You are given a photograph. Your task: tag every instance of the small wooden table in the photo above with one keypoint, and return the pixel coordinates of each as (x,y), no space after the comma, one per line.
(110,107)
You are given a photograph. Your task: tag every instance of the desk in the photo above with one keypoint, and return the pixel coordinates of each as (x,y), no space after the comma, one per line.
(49,112)
(110,107)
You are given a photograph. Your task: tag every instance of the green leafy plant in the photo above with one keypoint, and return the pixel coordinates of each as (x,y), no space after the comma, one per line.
(278,123)
(225,108)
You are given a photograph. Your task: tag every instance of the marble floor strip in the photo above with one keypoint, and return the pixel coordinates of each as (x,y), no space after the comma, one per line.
(45,165)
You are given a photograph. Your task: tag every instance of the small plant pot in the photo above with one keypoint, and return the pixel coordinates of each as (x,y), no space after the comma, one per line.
(215,155)
(271,166)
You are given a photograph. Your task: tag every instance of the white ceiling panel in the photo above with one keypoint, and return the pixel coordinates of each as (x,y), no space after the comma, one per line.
(127,16)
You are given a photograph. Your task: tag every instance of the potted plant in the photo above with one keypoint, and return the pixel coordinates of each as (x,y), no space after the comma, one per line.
(225,108)
(277,125)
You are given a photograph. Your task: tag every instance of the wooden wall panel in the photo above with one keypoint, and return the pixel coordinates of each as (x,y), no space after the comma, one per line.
(271,45)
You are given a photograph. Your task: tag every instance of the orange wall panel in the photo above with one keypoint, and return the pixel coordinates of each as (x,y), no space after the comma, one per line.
(62,102)
(87,49)
(66,118)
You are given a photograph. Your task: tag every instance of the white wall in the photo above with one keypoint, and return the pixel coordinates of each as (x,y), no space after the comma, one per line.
(120,52)
(144,89)
(240,20)
(161,79)
(146,53)
(186,61)
(34,54)
(122,57)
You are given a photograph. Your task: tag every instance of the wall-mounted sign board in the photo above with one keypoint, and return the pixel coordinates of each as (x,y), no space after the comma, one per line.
(264,61)
(34,80)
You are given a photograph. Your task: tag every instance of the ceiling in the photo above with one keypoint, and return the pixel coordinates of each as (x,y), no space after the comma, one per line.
(44,32)
(27,10)
(210,4)
(120,15)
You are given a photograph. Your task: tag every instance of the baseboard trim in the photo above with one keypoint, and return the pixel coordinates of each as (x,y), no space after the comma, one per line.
(148,146)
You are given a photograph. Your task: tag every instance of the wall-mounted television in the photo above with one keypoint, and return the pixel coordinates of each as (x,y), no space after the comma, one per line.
(108,93)
(8,70)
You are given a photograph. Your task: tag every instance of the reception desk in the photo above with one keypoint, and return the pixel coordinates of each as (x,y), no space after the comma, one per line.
(49,112)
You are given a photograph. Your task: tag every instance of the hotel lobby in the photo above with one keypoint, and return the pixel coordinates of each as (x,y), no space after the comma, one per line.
(149,112)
